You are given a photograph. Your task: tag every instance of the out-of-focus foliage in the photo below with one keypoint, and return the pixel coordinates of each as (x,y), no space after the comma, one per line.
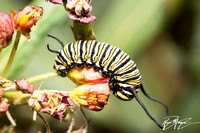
(161,36)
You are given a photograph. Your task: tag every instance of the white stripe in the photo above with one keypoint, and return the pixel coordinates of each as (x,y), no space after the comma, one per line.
(84,50)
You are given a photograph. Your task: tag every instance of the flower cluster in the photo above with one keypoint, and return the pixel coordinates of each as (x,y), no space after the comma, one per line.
(3,102)
(80,10)
(53,103)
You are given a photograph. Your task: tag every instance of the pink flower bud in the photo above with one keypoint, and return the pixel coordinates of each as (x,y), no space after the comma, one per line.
(60,2)
(92,97)
(26,18)
(86,75)
(80,11)
(3,106)
(24,86)
(6,30)
(94,91)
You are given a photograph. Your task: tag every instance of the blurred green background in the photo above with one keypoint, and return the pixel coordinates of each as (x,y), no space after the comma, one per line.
(161,36)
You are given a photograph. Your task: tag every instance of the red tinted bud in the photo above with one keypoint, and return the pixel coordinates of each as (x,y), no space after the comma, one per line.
(86,75)
(6,30)
(24,86)
(80,11)
(26,18)
(60,2)
(3,106)
(92,97)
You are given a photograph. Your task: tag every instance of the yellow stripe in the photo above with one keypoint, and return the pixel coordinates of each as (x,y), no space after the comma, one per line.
(88,50)
(76,51)
(129,66)
(111,54)
(119,94)
(127,76)
(114,65)
(69,61)
(134,82)
(137,82)
(99,52)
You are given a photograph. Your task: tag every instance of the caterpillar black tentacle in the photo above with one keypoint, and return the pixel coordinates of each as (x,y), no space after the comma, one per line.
(125,78)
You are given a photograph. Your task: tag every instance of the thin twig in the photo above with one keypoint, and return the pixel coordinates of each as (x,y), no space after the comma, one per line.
(12,121)
(85,119)
(72,121)
(45,123)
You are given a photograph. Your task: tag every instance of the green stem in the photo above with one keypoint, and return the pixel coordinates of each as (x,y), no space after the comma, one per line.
(83,31)
(16,98)
(42,76)
(12,55)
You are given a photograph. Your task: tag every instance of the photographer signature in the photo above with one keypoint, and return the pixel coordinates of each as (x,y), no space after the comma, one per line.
(173,121)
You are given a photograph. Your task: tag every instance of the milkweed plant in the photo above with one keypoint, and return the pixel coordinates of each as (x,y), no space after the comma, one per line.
(93,87)
(58,104)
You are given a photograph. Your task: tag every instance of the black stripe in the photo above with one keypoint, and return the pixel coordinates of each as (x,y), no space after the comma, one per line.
(93,50)
(81,50)
(62,59)
(122,64)
(113,58)
(128,71)
(103,55)
(58,63)
(70,52)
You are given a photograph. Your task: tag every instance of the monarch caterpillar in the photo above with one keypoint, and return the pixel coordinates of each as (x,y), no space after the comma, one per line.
(125,78)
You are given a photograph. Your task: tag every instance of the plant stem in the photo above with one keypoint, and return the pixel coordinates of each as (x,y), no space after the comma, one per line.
(16,97)
(45,123)
(42,76)
(83,31)
(12,55)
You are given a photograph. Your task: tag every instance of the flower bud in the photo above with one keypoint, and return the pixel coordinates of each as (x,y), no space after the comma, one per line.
(92,97)
(94,89)
(80,11)
(3,106)
(6,30)
(24,86)
(26,18)
(86,75)
(60,2)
